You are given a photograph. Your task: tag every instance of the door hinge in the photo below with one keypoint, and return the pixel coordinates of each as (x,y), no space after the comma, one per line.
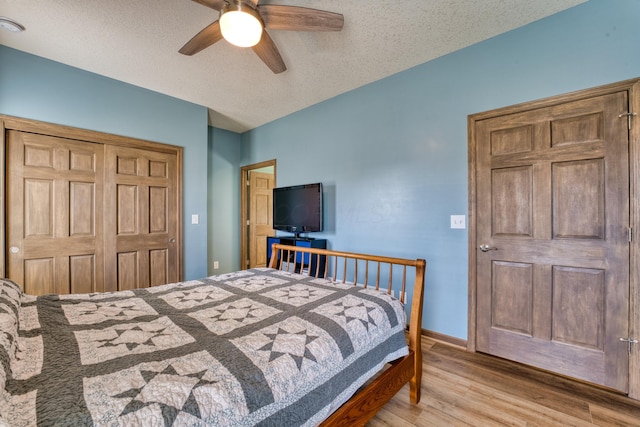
(629,341)
(630,232)
(248,222)
(629,115)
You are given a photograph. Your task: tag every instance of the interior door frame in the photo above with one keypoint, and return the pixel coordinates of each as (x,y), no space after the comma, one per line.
(632,86)
(90,136)
(244,208)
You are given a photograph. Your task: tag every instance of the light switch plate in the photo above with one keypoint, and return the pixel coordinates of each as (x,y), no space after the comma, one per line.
(195,219)
(458,221)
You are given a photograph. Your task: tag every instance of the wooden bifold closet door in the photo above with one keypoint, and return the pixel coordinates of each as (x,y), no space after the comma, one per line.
(89,217)
(141,216)
(54,238)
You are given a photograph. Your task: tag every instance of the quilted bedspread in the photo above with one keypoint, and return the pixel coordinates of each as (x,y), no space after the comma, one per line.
(255,347)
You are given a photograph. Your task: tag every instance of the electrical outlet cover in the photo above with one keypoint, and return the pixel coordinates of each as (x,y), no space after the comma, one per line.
(458,221)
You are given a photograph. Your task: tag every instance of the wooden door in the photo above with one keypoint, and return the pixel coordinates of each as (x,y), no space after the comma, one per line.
(260,216)
(553,220)
(54,214)
(141,209)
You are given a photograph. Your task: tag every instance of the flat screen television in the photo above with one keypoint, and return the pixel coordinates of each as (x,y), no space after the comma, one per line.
(298,209)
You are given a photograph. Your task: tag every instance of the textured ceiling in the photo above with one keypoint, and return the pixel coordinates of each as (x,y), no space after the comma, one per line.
(137,42)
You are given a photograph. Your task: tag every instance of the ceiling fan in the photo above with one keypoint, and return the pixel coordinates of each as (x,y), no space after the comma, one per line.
(235,14)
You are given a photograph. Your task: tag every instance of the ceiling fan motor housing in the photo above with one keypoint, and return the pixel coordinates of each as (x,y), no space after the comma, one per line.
(241,24)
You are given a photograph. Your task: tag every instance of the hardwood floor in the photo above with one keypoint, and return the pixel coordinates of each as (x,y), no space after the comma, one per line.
(472,389)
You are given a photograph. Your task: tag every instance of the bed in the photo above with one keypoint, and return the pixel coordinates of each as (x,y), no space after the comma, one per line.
(280,346)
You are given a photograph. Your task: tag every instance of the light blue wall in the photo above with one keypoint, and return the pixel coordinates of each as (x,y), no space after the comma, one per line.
(225,153)
(36,88)
(393,155)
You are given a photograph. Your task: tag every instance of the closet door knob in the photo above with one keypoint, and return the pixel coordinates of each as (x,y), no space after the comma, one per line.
(172,240)
(14,249)
(487,248)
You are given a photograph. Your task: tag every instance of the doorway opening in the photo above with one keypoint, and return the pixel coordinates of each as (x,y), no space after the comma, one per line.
(256,217)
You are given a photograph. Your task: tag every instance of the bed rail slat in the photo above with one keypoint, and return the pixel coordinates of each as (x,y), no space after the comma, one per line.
(344,272)
(404,284)
(366,273)
(355,273)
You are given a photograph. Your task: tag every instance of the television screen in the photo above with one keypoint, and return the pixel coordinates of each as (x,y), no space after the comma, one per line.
(298,209)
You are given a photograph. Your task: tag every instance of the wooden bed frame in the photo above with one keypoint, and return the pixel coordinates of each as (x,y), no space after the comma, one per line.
(373,396)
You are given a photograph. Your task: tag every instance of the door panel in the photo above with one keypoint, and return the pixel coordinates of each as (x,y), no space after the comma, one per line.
(553,212)
(512,201)
(578,183)
(159,262)
(127,211)
(158,208)
(142,200)
(578,321)
(81,214)
(512,295)
(127,267)
(54,241)
(82,273)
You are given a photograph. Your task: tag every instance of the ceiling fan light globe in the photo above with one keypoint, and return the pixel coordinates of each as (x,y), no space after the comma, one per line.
(240,27)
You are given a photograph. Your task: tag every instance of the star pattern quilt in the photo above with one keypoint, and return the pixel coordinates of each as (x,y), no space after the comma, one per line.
(254,347)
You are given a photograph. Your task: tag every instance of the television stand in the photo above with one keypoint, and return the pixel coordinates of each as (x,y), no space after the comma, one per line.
(301,263)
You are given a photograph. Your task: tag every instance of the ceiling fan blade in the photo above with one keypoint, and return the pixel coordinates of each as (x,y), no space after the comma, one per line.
(295,18)
(268,52)
(203,39)
(213,4)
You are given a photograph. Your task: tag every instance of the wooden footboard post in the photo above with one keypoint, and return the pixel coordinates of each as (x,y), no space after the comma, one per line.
(415,332)
(274,256)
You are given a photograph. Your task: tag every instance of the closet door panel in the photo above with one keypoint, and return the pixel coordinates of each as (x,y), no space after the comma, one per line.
(141,199)
(54,217)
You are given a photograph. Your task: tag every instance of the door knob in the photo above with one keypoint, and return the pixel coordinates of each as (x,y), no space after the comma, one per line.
(487,248)
(14,249)
(172,240)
